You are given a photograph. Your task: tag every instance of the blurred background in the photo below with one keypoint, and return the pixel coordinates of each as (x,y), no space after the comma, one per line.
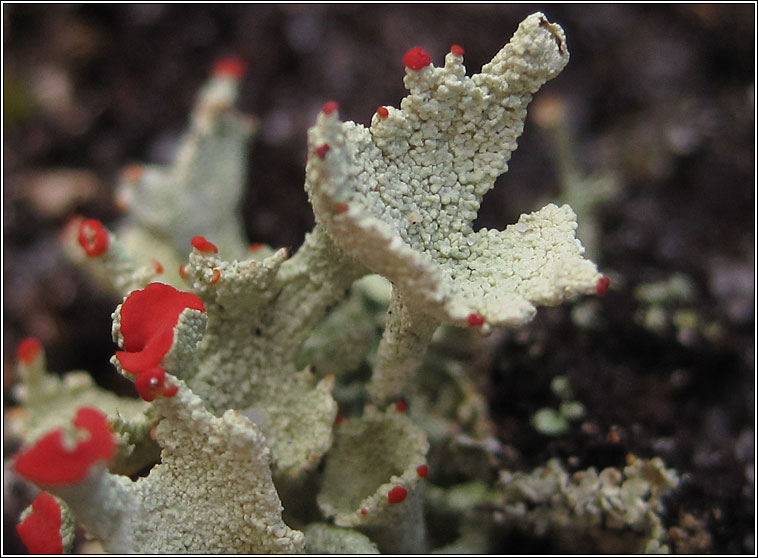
(649,133)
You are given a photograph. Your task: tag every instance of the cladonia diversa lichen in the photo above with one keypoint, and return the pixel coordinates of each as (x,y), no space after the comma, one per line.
(611,511)
(280,410)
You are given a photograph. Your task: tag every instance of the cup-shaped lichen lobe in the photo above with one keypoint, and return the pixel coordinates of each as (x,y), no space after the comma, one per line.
(372,455)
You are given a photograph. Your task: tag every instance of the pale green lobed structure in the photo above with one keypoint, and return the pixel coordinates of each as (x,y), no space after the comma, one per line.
(253,425)
(413,183)
(402,196)
(202,188)
(259,316)
(360,499)
(67,529)
(612,511)
(50,401)
(322,538)
(212,491)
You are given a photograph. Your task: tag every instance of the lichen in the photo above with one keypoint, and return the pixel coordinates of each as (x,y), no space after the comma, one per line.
(402,196)
(611,511)
(264,372)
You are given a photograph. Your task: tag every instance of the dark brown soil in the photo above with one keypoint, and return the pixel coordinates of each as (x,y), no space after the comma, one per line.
(661,96)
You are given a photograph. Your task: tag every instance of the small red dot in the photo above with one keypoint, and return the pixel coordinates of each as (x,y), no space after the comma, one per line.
(417,58)
(364,511)
(216,276)
(322,149)
(157,267)
(341,207)
(475,320)
(182,272)
(203,245)
(422,471)
(93,237)
(339,419)
(255,246)
(329,107)
(457,50)
(401,405)
(382,112)
(28,350)
(602,286)
(397,495)
(232,66)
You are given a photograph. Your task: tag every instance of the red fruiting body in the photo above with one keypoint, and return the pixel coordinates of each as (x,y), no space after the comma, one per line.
(255,246)
(457,50)
(41,529)
(183,272)
(602,286)
(417,58)
(397,495)
(203,245)
(148,318)
(321,150)
(364,511)
(232,66)
(382,112)
(341,207)
(51,462)
(422,471)
(216,276)
(151,383)
(401,405)
(93,237)
(133,173)
(28,350)
(329,107)
(475,320)
(157,267)
(339,419)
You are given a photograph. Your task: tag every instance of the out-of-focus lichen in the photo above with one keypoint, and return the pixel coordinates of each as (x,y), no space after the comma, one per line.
(611,511)
(585,193)
(207,173)
(47,526)
(378,487)
(50,402)
(165,206)
(463,511)
(555,422)
(322,538)
(664,306)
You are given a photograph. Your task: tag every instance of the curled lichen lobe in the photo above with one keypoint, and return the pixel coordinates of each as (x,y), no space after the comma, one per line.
(40,530)
(147,321)
(53,462)
(200,243)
